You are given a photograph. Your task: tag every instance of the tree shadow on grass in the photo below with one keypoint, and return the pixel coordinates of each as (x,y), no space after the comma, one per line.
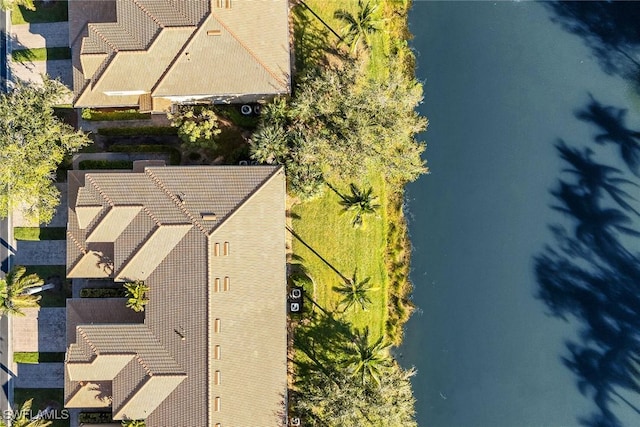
(592,272)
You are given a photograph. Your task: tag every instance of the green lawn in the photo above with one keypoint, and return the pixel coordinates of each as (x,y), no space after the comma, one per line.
(42,398)
(41,54)
(50,11)
(39,233)
(53,297)
(322,226)
(35,357)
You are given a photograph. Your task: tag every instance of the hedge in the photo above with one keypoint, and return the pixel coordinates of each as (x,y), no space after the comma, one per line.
(106,164)
(138,131)
(98,116)
(102,293)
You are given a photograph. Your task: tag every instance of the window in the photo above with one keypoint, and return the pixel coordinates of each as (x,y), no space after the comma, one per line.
(216,326)
(216,285)
(216,249)
(226,248)
(216,378)
(227,283)
(217,353)
(216,405)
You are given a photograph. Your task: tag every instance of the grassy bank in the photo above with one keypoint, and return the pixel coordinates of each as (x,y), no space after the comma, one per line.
(382,251)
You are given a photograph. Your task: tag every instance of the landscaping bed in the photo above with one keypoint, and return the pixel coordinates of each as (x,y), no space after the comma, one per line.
(103,292)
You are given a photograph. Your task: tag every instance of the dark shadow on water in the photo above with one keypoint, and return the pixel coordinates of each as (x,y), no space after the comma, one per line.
(609,29)
(591,273)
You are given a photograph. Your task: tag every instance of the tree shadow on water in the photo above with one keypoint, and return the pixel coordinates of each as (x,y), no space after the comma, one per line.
(592,271)
(609,29)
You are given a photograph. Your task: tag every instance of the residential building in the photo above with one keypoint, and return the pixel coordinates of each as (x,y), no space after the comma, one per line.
(149,54)
(210,347)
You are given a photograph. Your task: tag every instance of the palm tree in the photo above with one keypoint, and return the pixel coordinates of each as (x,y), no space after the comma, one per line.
(137,292)
(22,418)
(269,145)
(358,27)
(361,203)
(355,292)
(367,361)
(13,291)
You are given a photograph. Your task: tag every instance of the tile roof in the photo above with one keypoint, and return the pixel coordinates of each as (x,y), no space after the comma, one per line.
(205,296)
(174,49)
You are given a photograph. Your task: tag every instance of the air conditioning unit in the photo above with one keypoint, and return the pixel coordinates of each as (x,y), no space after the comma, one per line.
(243,163)
(246,109)
(296,293)
(295,421)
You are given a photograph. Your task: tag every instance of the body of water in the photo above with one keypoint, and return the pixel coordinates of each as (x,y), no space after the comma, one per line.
(502,84)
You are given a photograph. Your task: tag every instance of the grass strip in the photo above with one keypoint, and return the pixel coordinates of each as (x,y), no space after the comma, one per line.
(39,233)
(46,11)
(36,357)
(40,54)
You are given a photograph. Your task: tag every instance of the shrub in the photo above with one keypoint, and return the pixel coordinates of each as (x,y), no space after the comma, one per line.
(95,418)
(93,115)
(197,126)
(106,164)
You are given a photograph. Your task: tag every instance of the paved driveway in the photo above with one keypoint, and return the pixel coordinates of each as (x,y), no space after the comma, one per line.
(42,330)
(42,252)
(39,375)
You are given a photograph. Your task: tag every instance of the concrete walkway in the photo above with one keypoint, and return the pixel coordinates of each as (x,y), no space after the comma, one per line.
(39,375)
(42,252)
(42,330)
(50,34)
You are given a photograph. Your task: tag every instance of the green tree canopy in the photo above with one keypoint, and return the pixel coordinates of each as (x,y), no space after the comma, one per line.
(361,203)
(339,124)
(11,4)
(197,126)
(33,142)
(12,291)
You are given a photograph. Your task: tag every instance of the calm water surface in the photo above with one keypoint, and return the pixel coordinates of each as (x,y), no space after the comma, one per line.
(502,84)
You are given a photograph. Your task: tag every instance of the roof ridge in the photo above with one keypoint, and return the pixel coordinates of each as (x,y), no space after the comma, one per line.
(149,14)
(158,182)
(75,241)
(93,27)
(152,216)
(99,190)
(84,336)
(248,49)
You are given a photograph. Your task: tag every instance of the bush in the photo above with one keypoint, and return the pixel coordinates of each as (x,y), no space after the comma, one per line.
(174,154)
(106,164)
(138,131)
(103,293)
(93,115)
(95,418)
(197,126)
